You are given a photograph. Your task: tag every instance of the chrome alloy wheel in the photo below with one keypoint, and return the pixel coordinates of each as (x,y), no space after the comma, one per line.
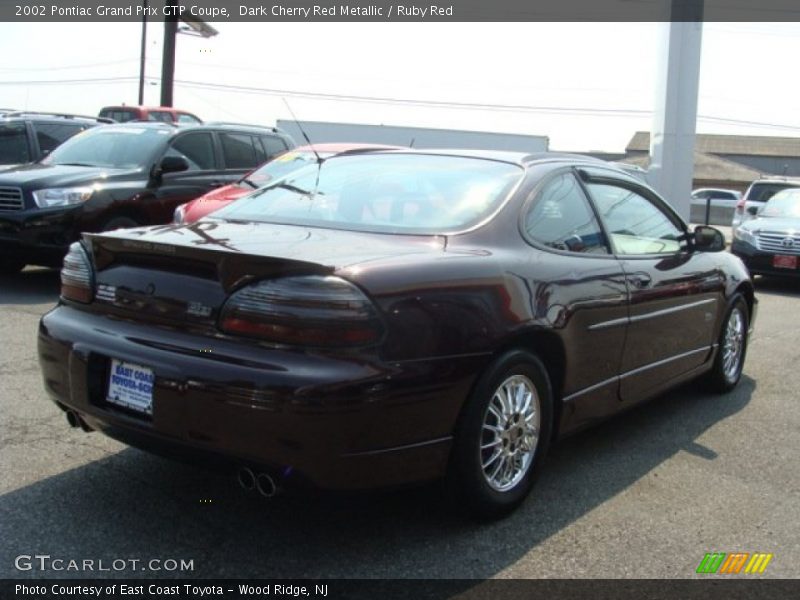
(510,433)
(733,344)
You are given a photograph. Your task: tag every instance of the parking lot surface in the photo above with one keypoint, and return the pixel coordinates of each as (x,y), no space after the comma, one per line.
(646,494)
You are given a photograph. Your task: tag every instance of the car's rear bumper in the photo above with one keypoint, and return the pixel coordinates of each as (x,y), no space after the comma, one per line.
(36,236)
(338,422)
(761,263)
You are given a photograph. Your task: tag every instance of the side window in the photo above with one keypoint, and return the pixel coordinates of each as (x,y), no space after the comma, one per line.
(197,149)
(51,135)
(560,217)
(121,116)
(635,224)
(238,150)
(124,116)
(273,145)
(187,118)
(159,115)
(14,143)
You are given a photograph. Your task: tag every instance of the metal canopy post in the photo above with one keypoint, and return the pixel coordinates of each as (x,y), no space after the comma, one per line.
(672,134)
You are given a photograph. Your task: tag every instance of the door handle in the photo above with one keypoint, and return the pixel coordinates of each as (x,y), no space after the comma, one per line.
(640,280)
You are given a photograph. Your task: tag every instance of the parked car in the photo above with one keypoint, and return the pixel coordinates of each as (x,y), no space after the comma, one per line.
(27,136)
(769,244)
(166,114)
(759,192)
(120,176)
(388,318)
(722,205)
(279,166)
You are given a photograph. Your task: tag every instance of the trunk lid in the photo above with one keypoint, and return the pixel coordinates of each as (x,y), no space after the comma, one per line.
(184,273)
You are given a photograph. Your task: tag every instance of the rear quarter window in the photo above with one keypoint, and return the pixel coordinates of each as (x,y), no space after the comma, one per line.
(239,150)
(273,145)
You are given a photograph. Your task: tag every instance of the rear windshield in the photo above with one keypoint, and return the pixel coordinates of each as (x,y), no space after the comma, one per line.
(761,192)
(783,204)
(14,144)
(114,146)
(282,165)
(386,193)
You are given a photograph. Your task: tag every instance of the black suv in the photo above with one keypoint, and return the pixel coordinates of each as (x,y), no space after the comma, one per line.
(26,137)
(120,176)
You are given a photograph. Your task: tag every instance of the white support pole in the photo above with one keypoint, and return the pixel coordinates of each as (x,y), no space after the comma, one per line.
(675,116)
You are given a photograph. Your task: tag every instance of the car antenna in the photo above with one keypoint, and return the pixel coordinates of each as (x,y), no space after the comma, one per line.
(411,145)
(303,131)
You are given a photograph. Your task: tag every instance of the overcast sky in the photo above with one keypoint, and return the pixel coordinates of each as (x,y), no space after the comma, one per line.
(748,79)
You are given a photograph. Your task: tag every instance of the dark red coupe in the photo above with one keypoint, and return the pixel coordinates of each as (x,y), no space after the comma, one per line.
(387,318)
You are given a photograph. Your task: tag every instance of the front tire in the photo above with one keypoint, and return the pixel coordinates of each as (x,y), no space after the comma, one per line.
(502,436)
(729,362)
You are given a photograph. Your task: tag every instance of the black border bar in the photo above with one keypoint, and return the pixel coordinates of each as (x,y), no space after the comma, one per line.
(219,11)
(711,587)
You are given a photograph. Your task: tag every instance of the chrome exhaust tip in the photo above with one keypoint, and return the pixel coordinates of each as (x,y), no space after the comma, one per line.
(246,478)
(266,485)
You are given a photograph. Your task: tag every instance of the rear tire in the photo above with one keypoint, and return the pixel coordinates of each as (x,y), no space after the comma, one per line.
(502,436)
(732,349)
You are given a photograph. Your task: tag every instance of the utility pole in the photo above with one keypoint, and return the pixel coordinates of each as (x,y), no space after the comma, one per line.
(168,58)
(675,117)
(142,53)
(194,26)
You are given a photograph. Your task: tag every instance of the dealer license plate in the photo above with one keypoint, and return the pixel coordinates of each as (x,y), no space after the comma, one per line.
(780,261)
(131,386)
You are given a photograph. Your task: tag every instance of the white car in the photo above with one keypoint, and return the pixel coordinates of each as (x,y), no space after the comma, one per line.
(757,195)
(723,205)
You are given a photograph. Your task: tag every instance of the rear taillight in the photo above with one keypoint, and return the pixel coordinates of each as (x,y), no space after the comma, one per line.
(305,310)
(77,279)
(740,206)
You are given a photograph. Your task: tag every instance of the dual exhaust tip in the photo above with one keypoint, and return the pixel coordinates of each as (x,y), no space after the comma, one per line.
(263,482)
(248,480)
(75,420)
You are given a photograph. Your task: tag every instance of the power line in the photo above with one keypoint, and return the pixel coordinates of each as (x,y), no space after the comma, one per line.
(411,101)
(582,111)
(86,66)
(73,81)
(467,105)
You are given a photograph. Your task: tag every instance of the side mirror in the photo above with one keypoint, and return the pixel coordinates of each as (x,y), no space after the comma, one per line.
(173,164)
(708,239)
(752,210)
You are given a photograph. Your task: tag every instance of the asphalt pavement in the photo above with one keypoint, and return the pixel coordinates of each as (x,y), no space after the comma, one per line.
(644,495)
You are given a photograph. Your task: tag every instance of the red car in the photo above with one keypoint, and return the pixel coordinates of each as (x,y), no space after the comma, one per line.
(166,114)
(277,167)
